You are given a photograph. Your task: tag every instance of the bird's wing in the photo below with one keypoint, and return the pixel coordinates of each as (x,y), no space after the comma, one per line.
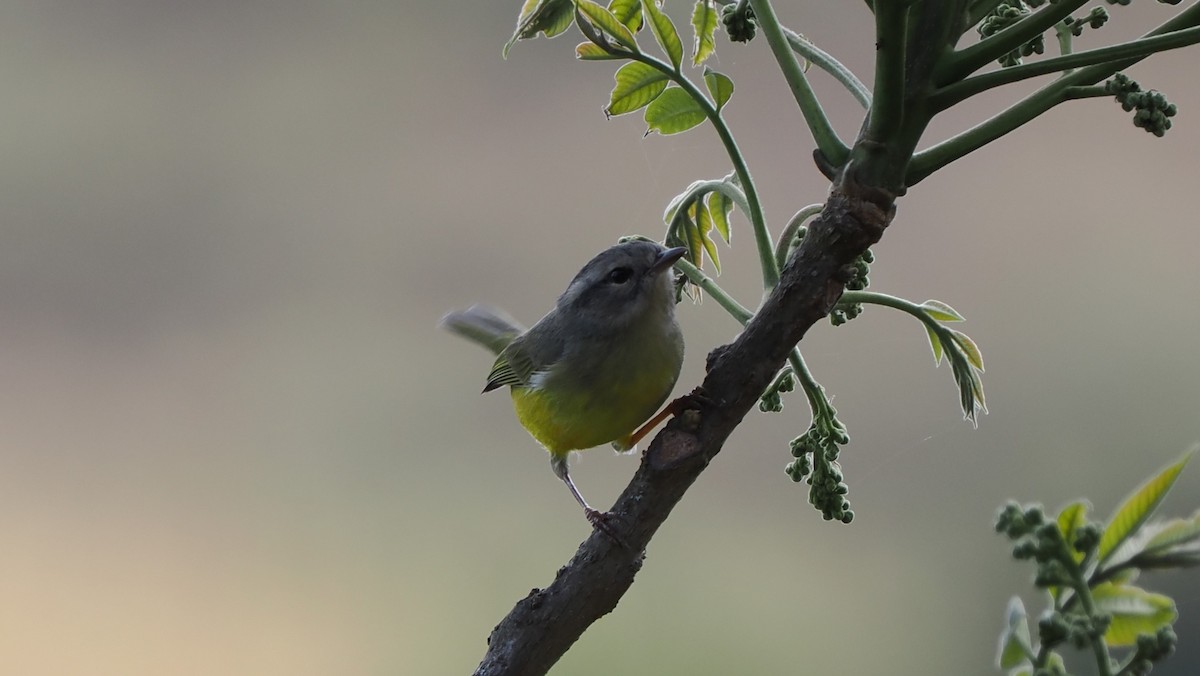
(527,357)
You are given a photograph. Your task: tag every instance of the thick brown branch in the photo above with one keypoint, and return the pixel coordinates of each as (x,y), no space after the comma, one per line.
(543,625)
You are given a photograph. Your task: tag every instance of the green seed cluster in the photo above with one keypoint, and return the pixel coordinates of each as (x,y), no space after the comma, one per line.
(739,21)
(859,272)
(1005,15)
(1153,110)
(771,401)
(815,454)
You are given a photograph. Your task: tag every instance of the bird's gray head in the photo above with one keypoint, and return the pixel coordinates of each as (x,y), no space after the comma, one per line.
(622,283)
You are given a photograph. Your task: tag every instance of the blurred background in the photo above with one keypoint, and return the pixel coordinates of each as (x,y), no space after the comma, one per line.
(233,441)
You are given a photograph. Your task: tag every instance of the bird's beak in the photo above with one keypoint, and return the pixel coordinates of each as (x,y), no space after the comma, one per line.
(666,259)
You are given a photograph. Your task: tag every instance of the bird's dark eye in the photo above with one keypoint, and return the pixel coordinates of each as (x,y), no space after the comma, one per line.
(620,275)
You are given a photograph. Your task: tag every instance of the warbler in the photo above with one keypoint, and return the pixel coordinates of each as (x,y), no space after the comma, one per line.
(598,365)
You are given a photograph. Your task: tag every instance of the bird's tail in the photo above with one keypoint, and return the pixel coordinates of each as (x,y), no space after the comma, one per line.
(487,326)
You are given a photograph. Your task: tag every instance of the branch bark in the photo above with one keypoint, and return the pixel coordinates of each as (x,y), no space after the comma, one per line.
(543,625)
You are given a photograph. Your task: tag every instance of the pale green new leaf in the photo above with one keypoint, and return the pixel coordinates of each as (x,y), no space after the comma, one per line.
(637,85)
(969,348)
(936,345)
(1138,507)
(549,17)
(719,204)
(674,111)
(676,201)
(1173,533)
(590,51)
(1070,519)
(719,85)
(1134,611)
(628,12)
(1015,644)
(664,32)
(941,312)
(605,21)
(704,222)
(704,21)
(691,236)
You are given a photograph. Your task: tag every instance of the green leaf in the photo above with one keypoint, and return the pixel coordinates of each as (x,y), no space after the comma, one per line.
(677,201)
(637,85)
(704,221)
(969,348)
(664,32)
(936,345)
(673,112)
(1015,645)
(1172,534)
(719,205)
(590,51)
(691,235)
(1134,611)
(1138,507)
(1070,519)
(941,312)
(550,17)
(719,85)
(605,21)
(628,12)
(704,21)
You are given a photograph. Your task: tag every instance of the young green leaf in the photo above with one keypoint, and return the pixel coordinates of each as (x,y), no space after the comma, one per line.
(969,348)
(1172,534)
(704,222)
(637,85)
(704,21)
(1134,611)
(936,345)
(674,111)
(1138,507)
(1070,519)
(605,21)
(691,235)
(550,17)
(941,312)
(664,32)
(628,12)
(1015,644)
(719,205)
(719,85)
(590,51)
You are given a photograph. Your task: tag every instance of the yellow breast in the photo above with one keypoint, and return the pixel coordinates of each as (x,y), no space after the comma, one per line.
(576,414)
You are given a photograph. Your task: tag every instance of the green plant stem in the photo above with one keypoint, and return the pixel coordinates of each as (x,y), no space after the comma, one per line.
(707,284)
(818,404)
(827,140)
(784,246)
(758,223)
(1141,48)
(700,188)
(1084,593)
(970,59)
(876,298)
(826,62)
(886,114)
(1062,89)
(1066,39)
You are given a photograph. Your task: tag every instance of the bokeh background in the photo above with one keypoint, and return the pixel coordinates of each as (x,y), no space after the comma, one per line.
(232,440)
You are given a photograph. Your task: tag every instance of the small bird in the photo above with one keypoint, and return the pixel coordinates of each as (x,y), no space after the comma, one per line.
(598,365)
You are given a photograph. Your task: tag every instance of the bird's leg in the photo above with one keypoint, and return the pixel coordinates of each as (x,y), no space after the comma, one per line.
(598,519)
(694,399)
